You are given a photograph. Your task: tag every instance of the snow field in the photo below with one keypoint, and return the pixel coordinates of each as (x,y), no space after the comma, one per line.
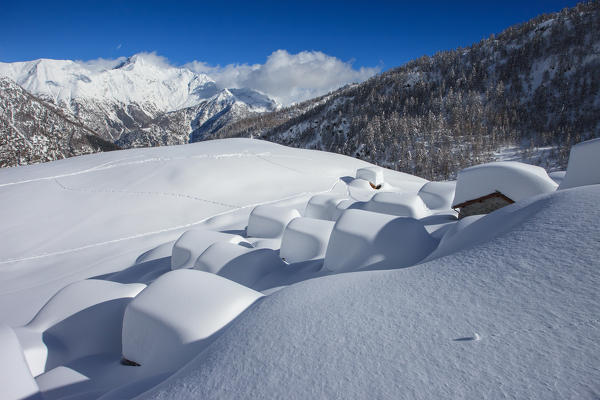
(407,330)
(513,316)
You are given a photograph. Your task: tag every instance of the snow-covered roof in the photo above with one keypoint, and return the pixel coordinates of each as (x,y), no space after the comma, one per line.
(513,179)
(584,165)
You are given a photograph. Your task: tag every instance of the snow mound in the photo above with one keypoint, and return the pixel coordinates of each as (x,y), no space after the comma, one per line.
(172,319)
(398,204)
(160,251)
(373,175)
(363,238)
(323,206)
(341,207)
(83,318)
(238,263)
(305,239)
(269,221)
(557,176)
(194,242)
(15,379)
(439,223)
(360,190)
(438,195)
(511,178)
(453,239)
(473,230)
(584,165)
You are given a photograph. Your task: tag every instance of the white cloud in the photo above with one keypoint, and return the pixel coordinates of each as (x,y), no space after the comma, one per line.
(101,64)
(154,59)
(286,77)
(119,46)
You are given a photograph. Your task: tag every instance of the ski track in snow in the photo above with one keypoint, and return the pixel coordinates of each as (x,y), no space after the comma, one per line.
(279,165)
(176,195)
(164,230)
(119,163)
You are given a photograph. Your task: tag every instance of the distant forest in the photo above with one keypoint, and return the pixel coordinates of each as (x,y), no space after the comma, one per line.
(534,87)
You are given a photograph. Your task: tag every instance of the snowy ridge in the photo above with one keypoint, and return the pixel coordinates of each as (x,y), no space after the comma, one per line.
(136,80)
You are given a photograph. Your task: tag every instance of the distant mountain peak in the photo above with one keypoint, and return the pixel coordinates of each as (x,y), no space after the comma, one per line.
(136,101)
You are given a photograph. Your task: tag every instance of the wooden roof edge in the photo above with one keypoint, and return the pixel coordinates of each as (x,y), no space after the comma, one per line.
(483,198)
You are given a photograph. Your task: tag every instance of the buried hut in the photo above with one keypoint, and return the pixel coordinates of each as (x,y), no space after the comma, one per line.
(487,187)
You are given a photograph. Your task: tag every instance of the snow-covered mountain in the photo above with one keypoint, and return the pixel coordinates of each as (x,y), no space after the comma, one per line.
(138,101)
(135,80)
(241,268)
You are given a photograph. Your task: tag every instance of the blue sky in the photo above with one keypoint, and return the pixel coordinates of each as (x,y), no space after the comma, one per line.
(291,51)
(368,33)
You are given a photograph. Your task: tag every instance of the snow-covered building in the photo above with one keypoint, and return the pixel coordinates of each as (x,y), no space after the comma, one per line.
(487,187)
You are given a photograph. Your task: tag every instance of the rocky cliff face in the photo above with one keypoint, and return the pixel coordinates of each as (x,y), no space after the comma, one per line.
(33,130)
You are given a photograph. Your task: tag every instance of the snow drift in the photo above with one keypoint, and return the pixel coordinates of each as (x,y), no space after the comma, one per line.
(172,319)
(514,316)
(368,239)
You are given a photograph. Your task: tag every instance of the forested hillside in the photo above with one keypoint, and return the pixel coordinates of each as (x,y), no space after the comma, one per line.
(526,93)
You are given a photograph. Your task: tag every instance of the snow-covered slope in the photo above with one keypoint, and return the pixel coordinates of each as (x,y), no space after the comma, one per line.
(76,218)
(185,243)
(516,317)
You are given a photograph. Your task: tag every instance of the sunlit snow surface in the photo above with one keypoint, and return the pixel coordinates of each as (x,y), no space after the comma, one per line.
(504,305)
